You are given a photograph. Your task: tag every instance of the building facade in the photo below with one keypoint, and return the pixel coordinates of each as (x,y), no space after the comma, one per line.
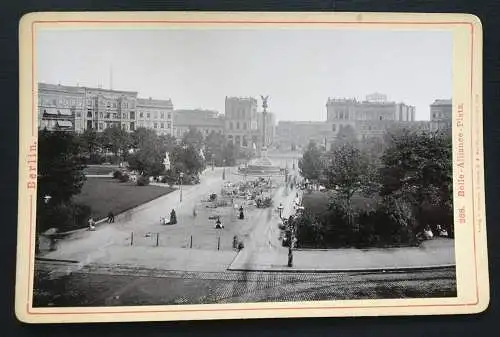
(441,114)
(61,107)
(156,114)
(244,123)
(76,109)
(206,121)
(106,108)
(369,118)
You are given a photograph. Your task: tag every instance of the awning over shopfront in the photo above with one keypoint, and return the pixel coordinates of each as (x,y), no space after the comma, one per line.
(50,111)
(64,124)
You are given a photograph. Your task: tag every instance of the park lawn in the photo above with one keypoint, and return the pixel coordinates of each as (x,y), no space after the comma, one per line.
(106,194)
(317,202)
(100,169)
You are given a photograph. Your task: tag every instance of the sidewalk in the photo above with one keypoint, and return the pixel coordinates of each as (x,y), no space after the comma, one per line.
(431,254)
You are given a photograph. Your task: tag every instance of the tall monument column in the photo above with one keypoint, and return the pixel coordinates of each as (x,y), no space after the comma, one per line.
(264,113)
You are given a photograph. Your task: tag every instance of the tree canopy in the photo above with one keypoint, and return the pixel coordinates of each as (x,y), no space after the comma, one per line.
(60,166)
(310,164)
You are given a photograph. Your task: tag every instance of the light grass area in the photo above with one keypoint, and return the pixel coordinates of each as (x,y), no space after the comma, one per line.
(100,169)
(106,194)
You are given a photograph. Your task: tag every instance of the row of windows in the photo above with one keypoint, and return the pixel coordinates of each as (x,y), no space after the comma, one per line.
(440,115)
(156,125)
(60,101)
(111,103)
(231,125)
(155,115)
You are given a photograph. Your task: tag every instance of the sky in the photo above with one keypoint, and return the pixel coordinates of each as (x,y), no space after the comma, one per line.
(298,69)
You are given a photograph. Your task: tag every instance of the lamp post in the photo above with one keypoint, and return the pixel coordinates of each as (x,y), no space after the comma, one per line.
(290,244)
(280,209)
(181,175)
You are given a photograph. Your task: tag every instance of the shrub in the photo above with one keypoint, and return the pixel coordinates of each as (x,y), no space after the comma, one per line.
(142,181)
(390,224)
(65,217)
(124,178)
(117,174)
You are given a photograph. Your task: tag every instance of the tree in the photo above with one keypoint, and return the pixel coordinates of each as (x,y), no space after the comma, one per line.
(60,166)
(310,164)
(91,143)
(186,159)
(116,140)
(149,153)
(60,177)
(345,135)
(229,154)
(214,148)
(348,172)
(142,137)
(193,138)
(417,167)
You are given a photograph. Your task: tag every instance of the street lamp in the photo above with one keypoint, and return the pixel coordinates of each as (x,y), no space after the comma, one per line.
(280,209)
(181,175)
(291,228)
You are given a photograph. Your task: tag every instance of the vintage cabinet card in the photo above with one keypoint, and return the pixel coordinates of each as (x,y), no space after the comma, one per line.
(192,166)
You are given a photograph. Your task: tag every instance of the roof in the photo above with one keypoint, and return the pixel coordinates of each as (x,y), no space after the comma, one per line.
(154,102)
(442,102)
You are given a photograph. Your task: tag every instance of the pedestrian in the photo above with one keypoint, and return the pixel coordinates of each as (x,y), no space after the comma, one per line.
(91,224)
(242,216)
(218,224)
(111,217)
(173,218)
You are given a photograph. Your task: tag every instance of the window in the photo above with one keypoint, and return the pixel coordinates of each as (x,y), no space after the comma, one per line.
(237,125)
(132,114)
(115,116)
(380,117)
(148,115)
(169,125)
(162,126)
(132,126)
(156,114)
(124,115)
(169,115)
(100,126)
(78,114)
(334,127)
(114,104)
(156,125)
(101,115)
(141,114)
(108,115)
(89,125)
(89,113)
(162,115)
(244,126)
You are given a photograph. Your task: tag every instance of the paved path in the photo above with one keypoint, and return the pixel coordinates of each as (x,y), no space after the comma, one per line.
(90,246)
(434,253)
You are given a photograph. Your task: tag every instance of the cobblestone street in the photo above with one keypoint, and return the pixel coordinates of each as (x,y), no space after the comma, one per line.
(116,285)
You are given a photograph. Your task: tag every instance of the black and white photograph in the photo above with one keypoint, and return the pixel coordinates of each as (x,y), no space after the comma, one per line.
(230,165)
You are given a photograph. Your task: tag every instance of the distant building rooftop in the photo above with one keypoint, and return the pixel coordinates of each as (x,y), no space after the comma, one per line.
(442,102)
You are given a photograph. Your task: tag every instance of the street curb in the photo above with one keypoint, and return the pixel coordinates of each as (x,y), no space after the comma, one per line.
(362,270)
(55,260)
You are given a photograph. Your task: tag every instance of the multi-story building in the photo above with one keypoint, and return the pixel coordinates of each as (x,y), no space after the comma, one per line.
(244,122)
(105,108)
(74,108)
(370,118)
(206,121)
(156,114)
(60,107)
(296,134)
(441,114)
